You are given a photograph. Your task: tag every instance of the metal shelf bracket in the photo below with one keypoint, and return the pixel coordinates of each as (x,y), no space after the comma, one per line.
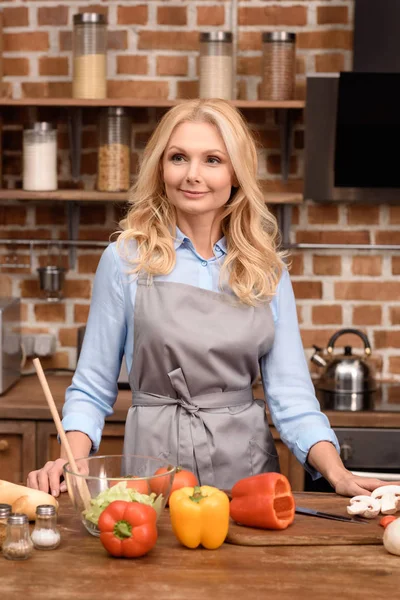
(73,215)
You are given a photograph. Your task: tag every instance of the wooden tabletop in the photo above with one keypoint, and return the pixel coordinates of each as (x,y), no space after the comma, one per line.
(26,401)
(81,568)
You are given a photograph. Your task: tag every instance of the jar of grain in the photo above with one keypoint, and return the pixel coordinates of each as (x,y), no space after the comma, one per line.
(114,152)
(18,544)
(89,47)
(40,158)
(278,66)
(5,512)
(216,65)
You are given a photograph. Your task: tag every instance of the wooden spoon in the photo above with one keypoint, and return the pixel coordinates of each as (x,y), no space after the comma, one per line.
(84,490)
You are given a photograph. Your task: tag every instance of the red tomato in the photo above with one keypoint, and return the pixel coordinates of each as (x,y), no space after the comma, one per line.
(183,478)
(384,522)
(140,485)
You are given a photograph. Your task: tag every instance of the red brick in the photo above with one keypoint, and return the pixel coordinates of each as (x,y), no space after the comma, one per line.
(327,265)
(17,16)
(394,215)
(387,237)
(363,214)
(168,40)
(249,40)
(132,15)
(307,289)
(25,234)
(333,237)
(319,337)
(295,15)
(68,336)
(77,288)
(171,15)
(53,65)
(48,89)
(323,214)
(367,265)
(331,39)
(394,364)
(367,290)
(12,215)
(15,67)
(249,65)
(210,15)
(187,89)
(172,65)
(394,315)
(52,15)
(387,339)
(117,40)
(296,262)
(133,64)
(5,285)
(327,314)
(332,62)
(87,263)
(293,186)
(328,15)
(54,312)
(138,89)
(274,164)
(81,313)
(49,215)
(367,314)
(29,41)
(396,265)
(59,360)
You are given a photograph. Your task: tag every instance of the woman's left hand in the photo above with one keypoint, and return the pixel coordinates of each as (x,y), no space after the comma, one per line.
(353,485)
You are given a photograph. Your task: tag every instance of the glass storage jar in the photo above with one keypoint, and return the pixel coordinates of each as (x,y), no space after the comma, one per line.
(45,534)
(216,65)
(18,544)
(114,152)
(278,66)
(5,512)
(89,47)
(40,158)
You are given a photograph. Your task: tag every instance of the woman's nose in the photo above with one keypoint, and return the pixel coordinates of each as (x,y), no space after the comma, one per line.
(193,172)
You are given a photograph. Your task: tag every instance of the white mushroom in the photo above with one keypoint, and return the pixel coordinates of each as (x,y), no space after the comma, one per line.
(364,505)
(391,537)
(389,496)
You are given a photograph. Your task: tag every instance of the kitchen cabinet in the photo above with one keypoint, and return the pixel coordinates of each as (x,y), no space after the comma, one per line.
(17,449)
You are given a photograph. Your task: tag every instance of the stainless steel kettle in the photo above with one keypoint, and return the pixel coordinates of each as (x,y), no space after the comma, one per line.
(348,380)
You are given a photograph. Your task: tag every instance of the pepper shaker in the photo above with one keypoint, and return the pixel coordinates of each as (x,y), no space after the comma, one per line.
(18,544)
(5,512)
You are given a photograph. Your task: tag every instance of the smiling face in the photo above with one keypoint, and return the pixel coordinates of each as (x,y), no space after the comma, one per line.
(197,171)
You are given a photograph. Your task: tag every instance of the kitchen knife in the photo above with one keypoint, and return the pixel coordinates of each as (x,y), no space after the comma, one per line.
(324,515)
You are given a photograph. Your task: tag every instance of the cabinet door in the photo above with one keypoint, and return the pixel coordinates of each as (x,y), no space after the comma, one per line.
(290,466)
(49,449)
(17,450)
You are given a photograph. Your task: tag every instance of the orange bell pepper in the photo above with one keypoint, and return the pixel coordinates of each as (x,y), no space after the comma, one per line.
(265,501)
(199,515)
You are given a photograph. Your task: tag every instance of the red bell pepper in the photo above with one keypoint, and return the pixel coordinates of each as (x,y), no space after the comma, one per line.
(128,528)
(265,501)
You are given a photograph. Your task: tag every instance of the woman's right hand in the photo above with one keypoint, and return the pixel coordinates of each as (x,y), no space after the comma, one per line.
(48,478)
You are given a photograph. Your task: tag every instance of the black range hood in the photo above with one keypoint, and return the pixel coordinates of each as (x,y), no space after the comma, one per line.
(353,118)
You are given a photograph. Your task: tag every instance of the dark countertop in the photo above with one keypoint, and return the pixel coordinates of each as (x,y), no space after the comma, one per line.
(80,567)
(26,401)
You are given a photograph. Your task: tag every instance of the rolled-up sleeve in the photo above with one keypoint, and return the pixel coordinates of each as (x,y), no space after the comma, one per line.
(294,408)
(94,388)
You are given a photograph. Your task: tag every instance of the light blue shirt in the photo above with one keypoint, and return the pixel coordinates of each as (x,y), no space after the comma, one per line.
(294,409)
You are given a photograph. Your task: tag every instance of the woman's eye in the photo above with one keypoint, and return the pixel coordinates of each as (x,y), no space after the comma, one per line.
(177,157)
(213,160)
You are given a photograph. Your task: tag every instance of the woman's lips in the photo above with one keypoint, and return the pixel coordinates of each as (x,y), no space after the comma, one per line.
(191,194)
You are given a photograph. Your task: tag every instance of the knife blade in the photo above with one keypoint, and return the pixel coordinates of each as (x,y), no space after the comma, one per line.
(324,515)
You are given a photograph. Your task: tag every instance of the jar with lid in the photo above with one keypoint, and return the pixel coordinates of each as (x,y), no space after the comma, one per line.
(40,158)
(216,65)
(89,48)
(278,66)
(114,152)
(45,534)
(18,544)
(5,512)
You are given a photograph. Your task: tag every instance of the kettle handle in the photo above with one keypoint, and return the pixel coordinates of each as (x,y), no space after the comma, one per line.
(360,334)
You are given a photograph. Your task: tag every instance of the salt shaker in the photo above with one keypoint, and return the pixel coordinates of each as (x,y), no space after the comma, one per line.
(18,544)
(45,535)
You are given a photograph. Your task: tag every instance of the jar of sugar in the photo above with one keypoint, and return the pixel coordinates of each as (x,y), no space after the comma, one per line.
(40,158)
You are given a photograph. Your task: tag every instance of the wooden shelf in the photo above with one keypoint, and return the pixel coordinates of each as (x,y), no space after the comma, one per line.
(95,196)
(139,102)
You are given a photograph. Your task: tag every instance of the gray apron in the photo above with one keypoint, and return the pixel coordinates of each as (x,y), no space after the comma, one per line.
(196,354)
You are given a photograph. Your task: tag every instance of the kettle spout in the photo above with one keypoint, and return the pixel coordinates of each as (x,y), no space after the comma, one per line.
(317,359)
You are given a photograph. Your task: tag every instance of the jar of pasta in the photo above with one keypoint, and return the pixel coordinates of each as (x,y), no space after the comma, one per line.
(216,65)
(279,66)
(89,47)
(114,152)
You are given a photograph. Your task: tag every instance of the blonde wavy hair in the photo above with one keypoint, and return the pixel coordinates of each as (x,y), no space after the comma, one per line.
(253,265)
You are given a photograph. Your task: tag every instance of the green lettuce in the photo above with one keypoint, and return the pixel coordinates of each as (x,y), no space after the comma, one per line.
(120,491)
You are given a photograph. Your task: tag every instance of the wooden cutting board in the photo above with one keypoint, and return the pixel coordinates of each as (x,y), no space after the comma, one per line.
(311,531)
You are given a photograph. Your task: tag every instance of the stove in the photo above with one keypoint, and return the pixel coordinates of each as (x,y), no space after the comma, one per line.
(385,399)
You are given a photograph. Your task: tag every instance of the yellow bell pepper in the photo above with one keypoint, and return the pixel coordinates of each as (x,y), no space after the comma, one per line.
(200,515)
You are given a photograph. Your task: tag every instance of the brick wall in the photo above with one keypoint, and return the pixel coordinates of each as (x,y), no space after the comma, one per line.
(153,51)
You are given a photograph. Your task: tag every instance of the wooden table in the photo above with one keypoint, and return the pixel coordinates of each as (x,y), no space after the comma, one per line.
(80,568)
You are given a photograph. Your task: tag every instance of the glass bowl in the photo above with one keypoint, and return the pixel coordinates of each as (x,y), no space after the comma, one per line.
(102,479)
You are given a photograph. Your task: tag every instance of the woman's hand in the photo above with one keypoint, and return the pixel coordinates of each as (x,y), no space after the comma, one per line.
(354,485)
(48,477)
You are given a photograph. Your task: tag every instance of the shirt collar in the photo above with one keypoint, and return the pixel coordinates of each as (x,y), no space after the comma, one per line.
(180,237)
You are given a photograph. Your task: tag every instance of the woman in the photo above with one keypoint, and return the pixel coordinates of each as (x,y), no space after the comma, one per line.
(197,297)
